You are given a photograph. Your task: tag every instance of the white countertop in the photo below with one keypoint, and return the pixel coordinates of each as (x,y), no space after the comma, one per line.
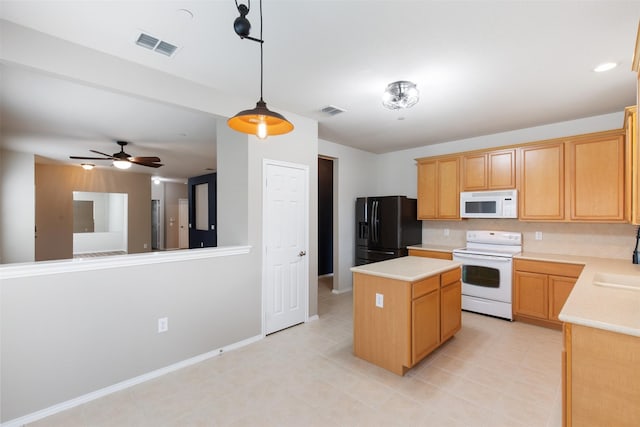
(408,268)
(435,248)
(612,309)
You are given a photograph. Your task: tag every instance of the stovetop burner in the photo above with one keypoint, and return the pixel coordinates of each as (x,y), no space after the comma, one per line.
(496,243)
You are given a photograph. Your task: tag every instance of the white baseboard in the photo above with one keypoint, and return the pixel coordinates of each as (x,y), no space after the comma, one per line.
(312,318)
(35,416)
(341,291)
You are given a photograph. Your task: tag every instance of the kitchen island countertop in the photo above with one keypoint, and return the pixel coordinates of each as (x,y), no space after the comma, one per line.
(612,309)
(408,268)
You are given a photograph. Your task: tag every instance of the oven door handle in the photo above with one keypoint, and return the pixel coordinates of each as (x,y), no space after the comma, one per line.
(457,257)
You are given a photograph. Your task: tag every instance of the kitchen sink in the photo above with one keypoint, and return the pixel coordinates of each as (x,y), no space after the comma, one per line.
(612,280)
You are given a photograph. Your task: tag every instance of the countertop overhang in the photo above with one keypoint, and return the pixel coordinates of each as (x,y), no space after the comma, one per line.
(408,268)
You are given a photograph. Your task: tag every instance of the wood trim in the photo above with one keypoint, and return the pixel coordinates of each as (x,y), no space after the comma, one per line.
(566,376)
(545,323)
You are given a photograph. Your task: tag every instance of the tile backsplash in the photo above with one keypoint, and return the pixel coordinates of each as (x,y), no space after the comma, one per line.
(590,239)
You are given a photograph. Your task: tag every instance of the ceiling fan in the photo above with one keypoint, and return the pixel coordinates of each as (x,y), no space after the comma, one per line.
(123,160)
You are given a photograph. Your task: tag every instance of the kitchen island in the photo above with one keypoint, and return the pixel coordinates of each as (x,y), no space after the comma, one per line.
(403,309)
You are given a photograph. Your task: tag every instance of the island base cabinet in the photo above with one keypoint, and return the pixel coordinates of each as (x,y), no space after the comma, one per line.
(382,321)
(601,378)
(398,323)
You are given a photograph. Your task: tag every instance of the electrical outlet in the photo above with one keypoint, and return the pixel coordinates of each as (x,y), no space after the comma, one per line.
(144,246)
(379,300)
(538,235)
(163,324)
(446,232)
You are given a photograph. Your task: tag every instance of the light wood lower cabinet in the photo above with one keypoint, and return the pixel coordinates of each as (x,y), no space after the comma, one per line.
(398,323)
(600,378)
(431,254)
(540,289)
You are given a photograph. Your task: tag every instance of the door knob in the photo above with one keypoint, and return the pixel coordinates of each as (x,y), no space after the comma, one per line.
(302,253)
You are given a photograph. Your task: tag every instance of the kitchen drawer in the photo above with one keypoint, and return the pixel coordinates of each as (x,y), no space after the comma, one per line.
(546,267)
(425,286)
(430,254)
(450,276)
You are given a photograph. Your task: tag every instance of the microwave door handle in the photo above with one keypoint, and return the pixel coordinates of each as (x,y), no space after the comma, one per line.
(486,257)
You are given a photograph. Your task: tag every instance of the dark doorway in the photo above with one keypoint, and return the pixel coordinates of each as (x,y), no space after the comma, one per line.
(325,216)
(202,211)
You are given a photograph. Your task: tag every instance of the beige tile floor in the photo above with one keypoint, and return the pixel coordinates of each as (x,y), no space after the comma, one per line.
(492,373)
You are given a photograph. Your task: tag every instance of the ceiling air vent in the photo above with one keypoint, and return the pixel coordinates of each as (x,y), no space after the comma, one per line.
(332,110)
(155,44)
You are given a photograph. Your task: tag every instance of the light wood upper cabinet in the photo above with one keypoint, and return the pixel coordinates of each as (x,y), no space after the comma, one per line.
(494,170)
(578,179)
(596,168)
(439,188)
(541,182)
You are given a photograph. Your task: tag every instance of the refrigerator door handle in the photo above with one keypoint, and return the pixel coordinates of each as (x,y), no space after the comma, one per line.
(376,222)
(380,252)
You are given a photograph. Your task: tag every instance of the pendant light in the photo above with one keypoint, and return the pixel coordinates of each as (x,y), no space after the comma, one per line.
(259,121)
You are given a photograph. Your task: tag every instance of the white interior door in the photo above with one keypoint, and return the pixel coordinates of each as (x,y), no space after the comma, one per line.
(183,223)
(285,281)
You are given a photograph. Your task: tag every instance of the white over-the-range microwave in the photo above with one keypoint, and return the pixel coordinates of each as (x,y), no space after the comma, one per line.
(489,204)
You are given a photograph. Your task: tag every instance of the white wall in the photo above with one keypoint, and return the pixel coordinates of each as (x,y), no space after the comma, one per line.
(353,177)
(17,207)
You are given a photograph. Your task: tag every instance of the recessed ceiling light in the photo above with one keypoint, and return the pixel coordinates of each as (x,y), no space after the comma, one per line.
(605,66)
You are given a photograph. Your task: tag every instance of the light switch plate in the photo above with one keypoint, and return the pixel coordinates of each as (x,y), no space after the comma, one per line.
(379,300)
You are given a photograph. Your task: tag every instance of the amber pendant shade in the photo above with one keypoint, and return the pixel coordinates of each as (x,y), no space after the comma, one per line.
(249,121)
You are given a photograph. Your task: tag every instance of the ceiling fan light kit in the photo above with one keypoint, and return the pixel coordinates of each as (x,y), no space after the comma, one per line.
(259,121)
(122,160)
(400,94)
(87,166)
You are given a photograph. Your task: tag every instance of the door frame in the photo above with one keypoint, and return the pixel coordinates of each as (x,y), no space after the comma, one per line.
(305,291)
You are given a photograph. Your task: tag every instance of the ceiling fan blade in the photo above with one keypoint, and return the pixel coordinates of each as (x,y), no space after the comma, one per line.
(88,158)
(107,155)
(145,159)
(136,161)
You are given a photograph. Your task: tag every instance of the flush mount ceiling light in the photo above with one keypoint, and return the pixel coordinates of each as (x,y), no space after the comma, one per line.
(400,94)
(259,121)
(87,166)
(605,66)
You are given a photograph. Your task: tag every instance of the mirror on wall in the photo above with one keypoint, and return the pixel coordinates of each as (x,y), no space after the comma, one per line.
(99,223)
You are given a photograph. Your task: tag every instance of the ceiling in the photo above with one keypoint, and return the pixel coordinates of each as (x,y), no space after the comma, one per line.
(482,67)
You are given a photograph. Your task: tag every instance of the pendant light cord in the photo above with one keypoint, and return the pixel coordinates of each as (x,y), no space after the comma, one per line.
(261,54)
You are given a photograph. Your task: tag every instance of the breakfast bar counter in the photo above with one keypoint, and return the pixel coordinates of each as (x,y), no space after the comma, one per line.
(403,309)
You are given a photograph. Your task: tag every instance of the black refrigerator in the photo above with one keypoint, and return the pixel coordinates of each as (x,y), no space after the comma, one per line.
(385,226)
